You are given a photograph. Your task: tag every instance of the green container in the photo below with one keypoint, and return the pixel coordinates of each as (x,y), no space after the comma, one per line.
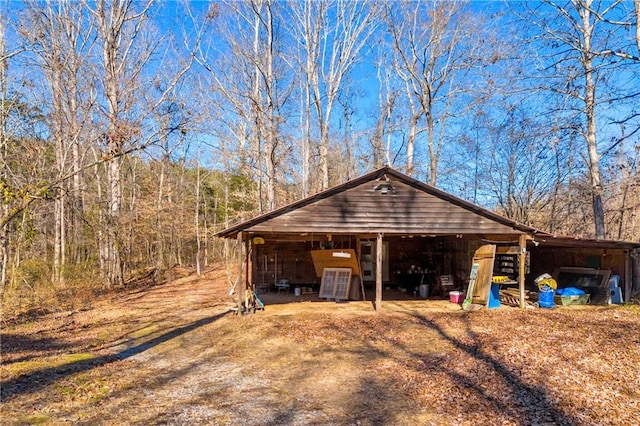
(582,299)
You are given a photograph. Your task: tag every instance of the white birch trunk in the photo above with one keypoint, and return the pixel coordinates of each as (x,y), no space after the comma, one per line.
(4,233)
(197,213)
(590,113)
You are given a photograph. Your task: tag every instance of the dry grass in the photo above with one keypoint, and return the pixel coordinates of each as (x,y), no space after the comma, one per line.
(174,355)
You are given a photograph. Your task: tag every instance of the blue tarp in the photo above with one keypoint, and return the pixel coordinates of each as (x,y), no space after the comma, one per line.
(570,291)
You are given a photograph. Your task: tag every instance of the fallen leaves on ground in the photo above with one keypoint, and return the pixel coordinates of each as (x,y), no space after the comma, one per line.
(174,355)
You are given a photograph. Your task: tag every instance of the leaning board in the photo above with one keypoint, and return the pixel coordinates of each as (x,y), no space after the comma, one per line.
(484,258)
(325,259)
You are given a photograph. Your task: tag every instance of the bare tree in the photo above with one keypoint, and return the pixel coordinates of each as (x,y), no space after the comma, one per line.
(8,192)
(387,98)
(308,21)
(62,38)
(433,48)
(251,83)
(118,25)
(128,47)
(270,94)
(636,8)
(586,26)
(332,35)
(626,203)
(577,35)
(517,166)
(4,144)
(629,19)
(4,237)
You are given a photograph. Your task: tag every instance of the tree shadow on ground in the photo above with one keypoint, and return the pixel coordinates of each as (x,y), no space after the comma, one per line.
(524,399)
(11,344)
(35,381)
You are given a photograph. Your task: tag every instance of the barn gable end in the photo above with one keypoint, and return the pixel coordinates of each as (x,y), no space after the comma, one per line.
(398,209)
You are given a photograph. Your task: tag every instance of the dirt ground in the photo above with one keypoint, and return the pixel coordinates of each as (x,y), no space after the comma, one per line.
(176,355)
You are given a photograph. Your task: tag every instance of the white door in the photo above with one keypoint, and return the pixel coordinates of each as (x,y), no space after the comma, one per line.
(368,261)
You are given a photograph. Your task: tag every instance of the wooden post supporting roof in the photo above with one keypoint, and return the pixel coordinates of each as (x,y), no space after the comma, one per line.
(247,248)
(252,277)
(239,283)
(521,270)
(378,303)
(628,276)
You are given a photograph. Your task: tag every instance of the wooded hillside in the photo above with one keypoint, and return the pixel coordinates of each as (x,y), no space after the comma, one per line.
(130,131)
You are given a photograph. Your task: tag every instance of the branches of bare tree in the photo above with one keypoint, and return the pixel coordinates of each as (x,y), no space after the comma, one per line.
(104,105)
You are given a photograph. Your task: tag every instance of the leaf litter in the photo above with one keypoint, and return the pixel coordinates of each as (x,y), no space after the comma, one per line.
(174,354)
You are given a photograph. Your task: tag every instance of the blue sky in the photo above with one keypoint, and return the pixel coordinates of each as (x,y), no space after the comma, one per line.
(457,163)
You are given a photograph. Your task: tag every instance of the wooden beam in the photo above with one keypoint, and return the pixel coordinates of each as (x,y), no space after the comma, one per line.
(247,249)
(239,279)
(522,264)
(252,276)
(628,276)
(378,303)
(359,257)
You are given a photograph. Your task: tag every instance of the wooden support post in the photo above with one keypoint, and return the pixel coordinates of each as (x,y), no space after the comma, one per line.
(247,249)
(239,282)
(628,276)
(378,303)
(522,265)
(359,260)
(252,269)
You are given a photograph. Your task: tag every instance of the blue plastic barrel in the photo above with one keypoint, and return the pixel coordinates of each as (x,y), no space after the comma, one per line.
(545,297)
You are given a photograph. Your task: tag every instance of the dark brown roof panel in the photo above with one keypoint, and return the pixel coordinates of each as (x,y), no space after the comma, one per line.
(361,206)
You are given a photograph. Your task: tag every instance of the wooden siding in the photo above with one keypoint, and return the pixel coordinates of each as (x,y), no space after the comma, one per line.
(363,210)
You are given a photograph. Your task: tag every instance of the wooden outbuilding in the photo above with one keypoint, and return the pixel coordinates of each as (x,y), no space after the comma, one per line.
(405,233)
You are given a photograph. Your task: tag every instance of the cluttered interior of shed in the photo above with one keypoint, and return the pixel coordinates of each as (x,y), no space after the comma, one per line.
(428,266)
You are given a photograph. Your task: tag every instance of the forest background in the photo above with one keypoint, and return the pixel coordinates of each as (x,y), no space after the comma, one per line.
(132,131)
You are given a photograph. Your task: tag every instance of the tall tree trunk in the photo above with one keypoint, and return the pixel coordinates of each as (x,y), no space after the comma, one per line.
(77,204)
(411,142)
(101,240)
(636,6)
(62,37)
(117,28)
(197,213)
(306,143)
(131,246)
(340,44)
(349,163)
(182,190)
(309,25)
(594,158)
(381,154)
(160,249)
(205,231)
(433,151)
(114,196)
(272,125)
(59,149)
(4,144)
(59,238)
(227,250)
(590,113)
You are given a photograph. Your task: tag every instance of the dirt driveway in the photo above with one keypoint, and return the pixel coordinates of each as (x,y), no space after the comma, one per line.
(175,355)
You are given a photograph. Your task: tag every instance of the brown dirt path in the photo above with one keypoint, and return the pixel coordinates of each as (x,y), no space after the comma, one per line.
(174,355)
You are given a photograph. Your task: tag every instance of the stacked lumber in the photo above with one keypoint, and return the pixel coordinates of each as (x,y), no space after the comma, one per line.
(511,297)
